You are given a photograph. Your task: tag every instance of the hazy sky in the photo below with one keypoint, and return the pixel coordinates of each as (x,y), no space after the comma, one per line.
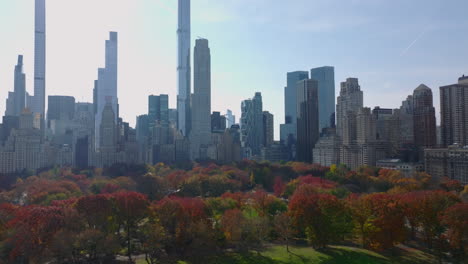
(390,45)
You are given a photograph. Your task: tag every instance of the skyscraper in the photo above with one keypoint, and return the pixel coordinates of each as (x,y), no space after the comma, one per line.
(425,134)
(183,68)
(108,130)
(288,129)
(230,119)
(268,129)
(454,113)
(307,119)
(61,107)
(252,125)
(158,108)
(351,99)
(218,122)
(106,86)
(326,89)
(16,101)
(39,58)
(201,101)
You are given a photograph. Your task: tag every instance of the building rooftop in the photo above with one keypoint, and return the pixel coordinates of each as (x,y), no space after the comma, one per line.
(422,87)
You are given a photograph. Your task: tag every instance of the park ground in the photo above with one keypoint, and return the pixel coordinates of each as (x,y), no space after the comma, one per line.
(331,255)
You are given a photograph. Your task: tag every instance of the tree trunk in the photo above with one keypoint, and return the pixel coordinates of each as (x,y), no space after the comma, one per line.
(129,248)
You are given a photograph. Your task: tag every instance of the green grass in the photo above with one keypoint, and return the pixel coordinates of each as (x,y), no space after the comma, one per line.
(332,255)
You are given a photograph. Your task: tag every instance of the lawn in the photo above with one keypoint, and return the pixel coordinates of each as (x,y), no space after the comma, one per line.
(332,255)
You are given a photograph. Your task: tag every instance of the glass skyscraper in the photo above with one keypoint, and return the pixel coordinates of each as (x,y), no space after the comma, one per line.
(106,85)
(326,94)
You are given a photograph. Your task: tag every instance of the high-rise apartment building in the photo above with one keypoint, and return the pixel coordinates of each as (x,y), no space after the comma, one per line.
(454,113)
(425,134)
(106,86)
(268,129)
(183,68)
(201,100)
(307,119)
(326,83)
(252,126)
(351,99)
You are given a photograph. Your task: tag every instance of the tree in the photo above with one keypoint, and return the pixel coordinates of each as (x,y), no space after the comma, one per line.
(455,219)
(97,210)
(387,220)
(322,217)
(423,209)
(34,227)
(131,208)
(284,228)
(362,214)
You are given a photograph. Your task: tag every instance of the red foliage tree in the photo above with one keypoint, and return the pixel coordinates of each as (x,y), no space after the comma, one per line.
(34,228)
(322,217)
(96,209)
(423,208)
(455,219)
(131,208)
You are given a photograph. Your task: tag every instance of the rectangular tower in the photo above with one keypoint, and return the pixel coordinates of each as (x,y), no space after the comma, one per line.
(307,119)
(326,85)
(39,58)
(201,101)
(454,113)
(183,68)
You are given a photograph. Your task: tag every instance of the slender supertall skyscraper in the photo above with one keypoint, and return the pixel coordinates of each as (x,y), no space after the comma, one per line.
(39,58)
(106,85)
(183,68)
(201,101)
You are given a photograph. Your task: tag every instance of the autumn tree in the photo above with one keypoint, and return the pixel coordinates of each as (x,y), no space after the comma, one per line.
(423,209)
(381,220)
(131,209)
(455,219)
(322,217)
(283,224)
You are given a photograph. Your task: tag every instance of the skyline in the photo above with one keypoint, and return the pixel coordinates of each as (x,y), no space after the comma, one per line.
(148,51)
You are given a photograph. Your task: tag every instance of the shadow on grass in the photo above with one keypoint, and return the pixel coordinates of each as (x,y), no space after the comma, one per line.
(339,256)
(243,259)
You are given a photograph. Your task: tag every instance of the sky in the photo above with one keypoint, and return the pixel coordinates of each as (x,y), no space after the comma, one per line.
(392,46)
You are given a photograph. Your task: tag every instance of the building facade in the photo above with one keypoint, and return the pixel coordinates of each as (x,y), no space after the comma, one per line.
(252,126)
(326,83)
(183,68)
(268,129)
(106,85)
(201,100)
(425,133)
(40,58)
(307,119)
(451,162)
(454,113)
(350,100)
